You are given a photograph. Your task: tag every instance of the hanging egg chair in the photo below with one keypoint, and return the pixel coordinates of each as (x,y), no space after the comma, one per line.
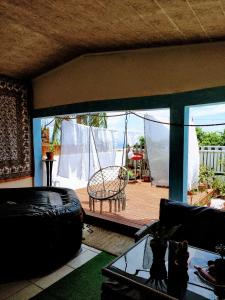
(108,184)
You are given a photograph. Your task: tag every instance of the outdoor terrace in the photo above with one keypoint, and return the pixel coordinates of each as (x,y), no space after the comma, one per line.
(142,204)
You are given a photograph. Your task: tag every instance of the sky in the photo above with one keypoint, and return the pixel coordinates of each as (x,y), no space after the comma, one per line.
(209,114)
(135,123)
(204,114)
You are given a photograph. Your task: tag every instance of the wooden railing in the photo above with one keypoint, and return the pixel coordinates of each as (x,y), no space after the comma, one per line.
(213,157)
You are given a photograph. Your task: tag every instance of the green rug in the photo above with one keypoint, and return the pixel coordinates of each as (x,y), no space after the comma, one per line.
(83,283)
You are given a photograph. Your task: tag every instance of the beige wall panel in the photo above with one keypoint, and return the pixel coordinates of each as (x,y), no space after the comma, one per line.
(27,182)
(132,73)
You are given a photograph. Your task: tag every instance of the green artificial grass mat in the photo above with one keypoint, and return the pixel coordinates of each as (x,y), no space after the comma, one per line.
(83,283)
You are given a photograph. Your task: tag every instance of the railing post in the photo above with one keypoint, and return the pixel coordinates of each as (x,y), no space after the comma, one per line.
(211,156)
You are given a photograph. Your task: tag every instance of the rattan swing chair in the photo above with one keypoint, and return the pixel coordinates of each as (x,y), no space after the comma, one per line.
(108,184)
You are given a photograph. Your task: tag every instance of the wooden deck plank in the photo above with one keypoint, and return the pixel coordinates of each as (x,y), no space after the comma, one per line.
(142,204)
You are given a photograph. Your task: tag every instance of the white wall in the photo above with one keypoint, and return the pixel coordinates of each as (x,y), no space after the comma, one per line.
(125,74)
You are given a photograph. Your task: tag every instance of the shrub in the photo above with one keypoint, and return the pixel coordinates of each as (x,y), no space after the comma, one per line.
(219,185)
(206,175)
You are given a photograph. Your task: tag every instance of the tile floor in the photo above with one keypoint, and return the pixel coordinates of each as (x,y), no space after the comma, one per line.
(24,290)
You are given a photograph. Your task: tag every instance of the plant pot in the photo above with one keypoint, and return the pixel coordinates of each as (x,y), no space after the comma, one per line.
(202,187)
(146,178)
(132,180)
(50,155)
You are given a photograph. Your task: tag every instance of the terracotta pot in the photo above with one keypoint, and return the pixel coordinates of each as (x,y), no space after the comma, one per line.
(50,155)
(146,178)
(132,180)
(202,187)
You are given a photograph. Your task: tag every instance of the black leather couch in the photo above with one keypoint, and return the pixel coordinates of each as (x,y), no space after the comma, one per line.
(202,227)
(40,229)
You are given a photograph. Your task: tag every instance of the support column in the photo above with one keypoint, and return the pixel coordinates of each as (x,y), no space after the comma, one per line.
(178,192)
(37,152)
(186,157)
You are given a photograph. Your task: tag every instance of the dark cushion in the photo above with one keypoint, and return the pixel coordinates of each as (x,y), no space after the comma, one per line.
(202,227)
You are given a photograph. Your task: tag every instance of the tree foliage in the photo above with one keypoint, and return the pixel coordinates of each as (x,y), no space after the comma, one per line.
(96,120)
(56,131)
(215,138)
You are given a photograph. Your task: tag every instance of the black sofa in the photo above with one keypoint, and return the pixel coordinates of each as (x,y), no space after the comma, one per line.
(202,227)
(40,229)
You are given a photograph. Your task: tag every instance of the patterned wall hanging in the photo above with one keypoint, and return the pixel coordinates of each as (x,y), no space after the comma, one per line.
(15,130)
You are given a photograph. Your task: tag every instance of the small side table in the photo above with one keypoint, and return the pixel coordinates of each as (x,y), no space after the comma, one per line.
(49,165)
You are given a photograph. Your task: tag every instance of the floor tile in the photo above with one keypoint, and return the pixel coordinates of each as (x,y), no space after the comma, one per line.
(26,293)
(48,280)
(91,248)
(82,259)
(8,289)
(83,248)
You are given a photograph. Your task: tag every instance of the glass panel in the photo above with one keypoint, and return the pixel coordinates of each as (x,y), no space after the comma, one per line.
(137,262)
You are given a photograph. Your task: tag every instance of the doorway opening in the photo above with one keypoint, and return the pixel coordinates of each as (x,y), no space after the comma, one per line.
(146,155)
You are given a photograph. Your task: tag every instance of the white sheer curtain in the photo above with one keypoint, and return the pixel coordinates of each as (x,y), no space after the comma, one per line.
(193,158)
(78,157)
(157,142)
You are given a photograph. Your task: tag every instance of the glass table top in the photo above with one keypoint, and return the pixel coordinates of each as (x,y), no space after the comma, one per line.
(136,264)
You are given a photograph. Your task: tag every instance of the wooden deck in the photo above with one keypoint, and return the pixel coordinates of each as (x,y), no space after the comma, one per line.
(142,204)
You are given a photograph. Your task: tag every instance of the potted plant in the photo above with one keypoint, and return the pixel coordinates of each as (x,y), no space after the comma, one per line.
(206,178)
(219,187)
(131,176)
(45,135)
(50,153)
(142,142)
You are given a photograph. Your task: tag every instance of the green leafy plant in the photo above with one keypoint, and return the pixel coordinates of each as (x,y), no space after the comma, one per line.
(96,120)
(206,175)
(130,174)
(219,185)
(142,141)
(52,147)
(210,138)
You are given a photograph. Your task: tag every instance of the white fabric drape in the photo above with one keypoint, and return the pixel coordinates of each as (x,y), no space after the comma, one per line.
(77,146)
(157,142)
(193,158)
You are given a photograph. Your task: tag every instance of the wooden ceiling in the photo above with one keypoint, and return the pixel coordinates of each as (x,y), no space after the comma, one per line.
(38,35)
